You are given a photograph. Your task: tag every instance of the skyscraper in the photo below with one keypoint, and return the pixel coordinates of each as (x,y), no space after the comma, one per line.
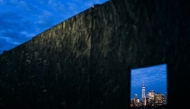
(143,94)
(136,96)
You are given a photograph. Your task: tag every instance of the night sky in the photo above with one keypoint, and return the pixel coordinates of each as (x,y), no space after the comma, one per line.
(20,20)
(154,77)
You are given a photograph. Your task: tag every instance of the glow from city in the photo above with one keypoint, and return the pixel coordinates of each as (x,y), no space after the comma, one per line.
(154,77)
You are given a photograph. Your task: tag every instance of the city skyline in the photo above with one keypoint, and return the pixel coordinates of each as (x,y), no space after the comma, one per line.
(23,19)
(154,77)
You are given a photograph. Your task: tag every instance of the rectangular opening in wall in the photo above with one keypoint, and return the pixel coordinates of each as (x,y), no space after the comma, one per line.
(149,87)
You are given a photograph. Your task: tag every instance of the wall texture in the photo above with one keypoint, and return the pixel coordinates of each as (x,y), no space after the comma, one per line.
(52,70)
(162,36)
(85,61)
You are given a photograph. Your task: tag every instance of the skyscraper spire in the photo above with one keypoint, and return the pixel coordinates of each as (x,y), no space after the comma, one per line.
(143,94)
(143,84)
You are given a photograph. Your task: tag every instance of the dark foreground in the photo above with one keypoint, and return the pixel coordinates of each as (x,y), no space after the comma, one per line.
(148,108)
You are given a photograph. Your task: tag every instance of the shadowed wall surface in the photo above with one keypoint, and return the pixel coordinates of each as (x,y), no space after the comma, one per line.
(52,70)
(85,61)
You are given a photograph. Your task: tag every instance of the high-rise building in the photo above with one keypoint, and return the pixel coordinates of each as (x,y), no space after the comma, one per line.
(149,95)
(148,98)
(159,99)
(152,97)
(136,96)
(143,94)
(136,101)
(152,94)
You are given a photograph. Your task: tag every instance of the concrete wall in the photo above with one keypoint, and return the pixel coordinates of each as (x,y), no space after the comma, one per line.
(162,36)
(52,70)
(85,62)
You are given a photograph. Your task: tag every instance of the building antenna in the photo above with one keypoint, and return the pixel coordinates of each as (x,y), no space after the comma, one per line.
(143,83)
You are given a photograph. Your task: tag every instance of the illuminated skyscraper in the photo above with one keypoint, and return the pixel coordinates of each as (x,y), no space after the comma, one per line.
(149,95)
(143,94)
(136,96)
(153,97)
(159,99)
(152,94)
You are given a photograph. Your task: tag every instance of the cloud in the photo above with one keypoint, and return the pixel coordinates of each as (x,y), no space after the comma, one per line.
(45,17)
(14,35)
(30,10)
(2,2)
(9,20)
(6,45)
(13,26)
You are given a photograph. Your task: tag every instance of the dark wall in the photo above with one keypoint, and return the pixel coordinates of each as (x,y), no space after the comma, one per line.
(52,70)
(162,36)
(119,45)
(85,62)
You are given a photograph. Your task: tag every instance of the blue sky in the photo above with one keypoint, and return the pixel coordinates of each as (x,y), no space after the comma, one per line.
(20,20)
(154,77)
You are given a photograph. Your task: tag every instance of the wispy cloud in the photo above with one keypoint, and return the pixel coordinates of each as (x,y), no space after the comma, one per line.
(1,2)
(6,43)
